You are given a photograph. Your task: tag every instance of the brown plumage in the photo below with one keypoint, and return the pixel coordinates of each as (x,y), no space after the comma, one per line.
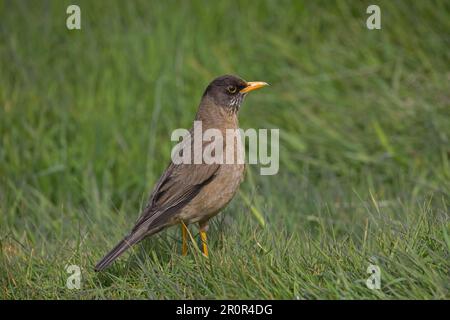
(190,193)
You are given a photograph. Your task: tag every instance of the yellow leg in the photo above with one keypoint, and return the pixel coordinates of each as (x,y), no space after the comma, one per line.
(204,245)
(184,235)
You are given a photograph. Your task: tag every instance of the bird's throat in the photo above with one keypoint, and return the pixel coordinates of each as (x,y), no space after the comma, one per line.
(214,116)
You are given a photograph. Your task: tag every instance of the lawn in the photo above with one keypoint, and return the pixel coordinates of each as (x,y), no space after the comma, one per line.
(364,118)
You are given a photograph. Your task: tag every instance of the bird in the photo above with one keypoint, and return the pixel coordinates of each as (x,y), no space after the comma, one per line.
(188,193)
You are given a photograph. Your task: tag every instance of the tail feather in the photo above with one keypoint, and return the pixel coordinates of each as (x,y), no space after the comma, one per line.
(136,235)
(117,251)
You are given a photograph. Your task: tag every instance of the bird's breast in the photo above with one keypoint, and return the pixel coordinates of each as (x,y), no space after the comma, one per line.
(221,189)
(215,195)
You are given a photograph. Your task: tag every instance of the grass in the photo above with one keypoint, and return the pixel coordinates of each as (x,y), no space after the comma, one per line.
(364,119)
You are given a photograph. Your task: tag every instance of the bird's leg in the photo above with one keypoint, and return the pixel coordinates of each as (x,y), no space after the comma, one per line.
(203,229)
(184,235)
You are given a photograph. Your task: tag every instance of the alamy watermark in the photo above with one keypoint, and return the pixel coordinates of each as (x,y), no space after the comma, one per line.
(214,146)
(73,21)
(374,20)
(374,281)
(74,280)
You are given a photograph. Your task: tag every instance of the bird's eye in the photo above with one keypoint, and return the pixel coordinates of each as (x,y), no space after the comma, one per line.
(231,89)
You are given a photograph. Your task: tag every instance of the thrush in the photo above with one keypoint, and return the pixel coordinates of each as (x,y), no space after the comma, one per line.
(189,193)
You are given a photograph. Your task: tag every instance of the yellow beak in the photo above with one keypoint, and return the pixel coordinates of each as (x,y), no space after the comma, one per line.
(253,86)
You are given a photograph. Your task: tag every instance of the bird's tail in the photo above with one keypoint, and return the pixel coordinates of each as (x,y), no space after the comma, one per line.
(120,248)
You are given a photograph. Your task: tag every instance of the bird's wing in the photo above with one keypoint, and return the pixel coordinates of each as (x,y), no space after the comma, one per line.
(179,184)
(177,187)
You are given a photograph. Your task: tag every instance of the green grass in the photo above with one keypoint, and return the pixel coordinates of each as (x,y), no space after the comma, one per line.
(364,119)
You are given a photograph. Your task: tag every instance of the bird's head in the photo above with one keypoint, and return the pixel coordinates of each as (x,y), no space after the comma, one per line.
(228,91)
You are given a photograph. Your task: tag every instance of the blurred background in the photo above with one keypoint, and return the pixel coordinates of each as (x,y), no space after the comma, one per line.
(364,118)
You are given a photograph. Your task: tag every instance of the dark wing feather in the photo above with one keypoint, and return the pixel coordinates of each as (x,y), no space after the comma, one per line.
(179,184)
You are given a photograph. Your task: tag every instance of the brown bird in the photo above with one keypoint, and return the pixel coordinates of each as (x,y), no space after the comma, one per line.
(195,192)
